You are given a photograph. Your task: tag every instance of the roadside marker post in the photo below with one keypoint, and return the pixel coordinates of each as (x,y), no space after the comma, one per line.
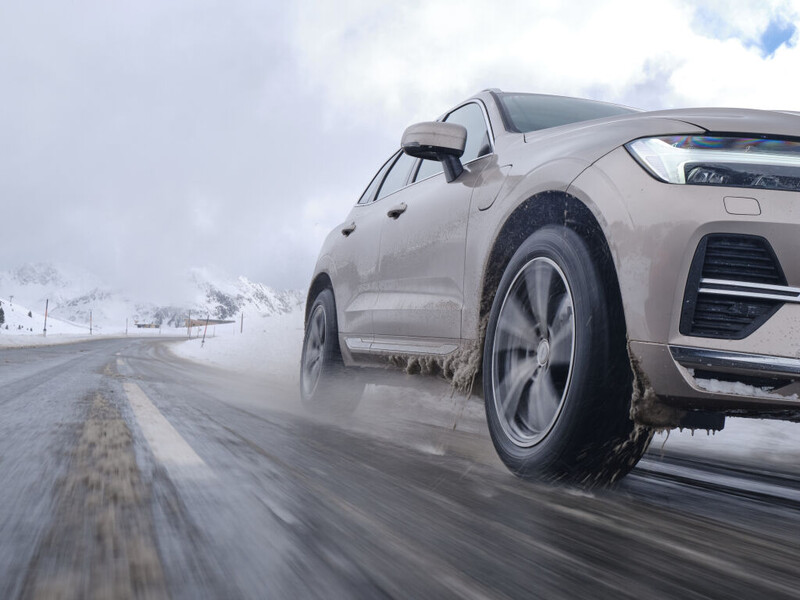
(204,330)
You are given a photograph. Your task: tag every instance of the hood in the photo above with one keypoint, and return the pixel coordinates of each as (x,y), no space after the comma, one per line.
(736,120)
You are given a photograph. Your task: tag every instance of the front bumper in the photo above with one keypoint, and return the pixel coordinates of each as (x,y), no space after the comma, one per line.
(654,230)
(734,383)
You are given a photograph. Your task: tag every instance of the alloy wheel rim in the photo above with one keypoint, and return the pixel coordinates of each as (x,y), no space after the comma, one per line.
(313,351)
(533,352)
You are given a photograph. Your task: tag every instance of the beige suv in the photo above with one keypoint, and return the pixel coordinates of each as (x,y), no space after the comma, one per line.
(604,272)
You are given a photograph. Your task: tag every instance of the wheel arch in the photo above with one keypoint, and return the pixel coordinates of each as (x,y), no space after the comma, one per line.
(540,210)
(320,282)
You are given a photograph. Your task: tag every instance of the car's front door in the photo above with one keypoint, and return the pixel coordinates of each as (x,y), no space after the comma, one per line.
(421,266)
(355,260)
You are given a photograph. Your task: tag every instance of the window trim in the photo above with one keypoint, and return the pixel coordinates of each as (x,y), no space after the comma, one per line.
(487,121)
(411,179)
(371,198)
(411,170)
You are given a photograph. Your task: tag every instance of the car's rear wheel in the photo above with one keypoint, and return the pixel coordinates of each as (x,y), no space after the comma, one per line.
(325,387)
(557,382)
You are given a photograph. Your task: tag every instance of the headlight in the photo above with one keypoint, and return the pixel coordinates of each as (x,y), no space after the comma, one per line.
(728,161)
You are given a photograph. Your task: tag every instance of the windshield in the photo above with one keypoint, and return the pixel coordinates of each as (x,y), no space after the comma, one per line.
(531,112)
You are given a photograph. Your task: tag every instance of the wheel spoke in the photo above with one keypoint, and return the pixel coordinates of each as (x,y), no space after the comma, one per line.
(518,325)
(538,283)
(543,401)
(315,366)
(518,377)
(561,345)
(563,312)
(318,330)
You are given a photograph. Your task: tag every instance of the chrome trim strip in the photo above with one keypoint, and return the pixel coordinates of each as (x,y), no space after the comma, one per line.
(756,286)
(357,343)
(759,364)
(760,291)
(755,295)
(400,346)
(404,347)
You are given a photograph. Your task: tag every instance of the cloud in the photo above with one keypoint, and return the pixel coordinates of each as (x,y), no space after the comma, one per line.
(415,60)
(140,139)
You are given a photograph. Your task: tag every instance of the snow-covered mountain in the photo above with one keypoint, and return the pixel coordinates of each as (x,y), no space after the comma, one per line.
(73,294)
(33,282)
(225,299)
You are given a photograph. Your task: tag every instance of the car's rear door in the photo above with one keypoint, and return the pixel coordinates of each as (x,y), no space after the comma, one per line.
(421,266)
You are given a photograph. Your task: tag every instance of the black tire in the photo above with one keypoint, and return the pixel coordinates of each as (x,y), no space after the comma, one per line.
(558,399)
(325,387)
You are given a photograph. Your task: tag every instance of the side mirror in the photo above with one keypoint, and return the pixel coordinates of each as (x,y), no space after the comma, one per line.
(437,141)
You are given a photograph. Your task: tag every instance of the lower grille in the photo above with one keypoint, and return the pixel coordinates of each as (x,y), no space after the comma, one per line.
(714,306)
(741,258)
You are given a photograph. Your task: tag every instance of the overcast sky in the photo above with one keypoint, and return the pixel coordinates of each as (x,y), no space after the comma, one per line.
(138,139)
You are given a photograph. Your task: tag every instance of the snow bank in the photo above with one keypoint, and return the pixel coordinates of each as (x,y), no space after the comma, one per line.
(25,327)
(269,345)
(20,320)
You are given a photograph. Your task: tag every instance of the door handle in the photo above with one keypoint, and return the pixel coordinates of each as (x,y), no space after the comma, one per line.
(349,229)
(396,211)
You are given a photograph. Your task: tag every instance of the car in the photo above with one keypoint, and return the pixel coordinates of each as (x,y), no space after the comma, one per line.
(598,272)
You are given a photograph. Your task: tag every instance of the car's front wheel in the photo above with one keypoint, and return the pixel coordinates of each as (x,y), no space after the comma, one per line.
(557,383)
(325,388)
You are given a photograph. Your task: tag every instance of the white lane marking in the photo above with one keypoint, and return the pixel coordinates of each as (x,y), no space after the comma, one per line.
(122,367)
(167,445)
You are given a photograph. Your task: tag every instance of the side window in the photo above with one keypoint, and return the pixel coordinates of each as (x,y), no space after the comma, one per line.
(376,181)
(471,117)
(397,176)
(428,168)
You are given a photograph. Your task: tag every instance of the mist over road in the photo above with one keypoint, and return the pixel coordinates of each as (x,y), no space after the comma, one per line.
(129,473)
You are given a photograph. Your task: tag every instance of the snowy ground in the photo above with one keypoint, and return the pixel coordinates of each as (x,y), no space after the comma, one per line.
(267,345)
(272,346)
(23,326)
(21,321)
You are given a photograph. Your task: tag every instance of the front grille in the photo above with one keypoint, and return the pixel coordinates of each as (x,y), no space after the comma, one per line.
(742,258)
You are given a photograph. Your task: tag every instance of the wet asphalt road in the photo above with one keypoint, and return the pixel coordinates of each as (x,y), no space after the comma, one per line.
(129,473)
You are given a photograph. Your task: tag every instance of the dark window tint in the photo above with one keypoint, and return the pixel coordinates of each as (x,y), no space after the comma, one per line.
(376,181)
(531,112)
(397,176)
